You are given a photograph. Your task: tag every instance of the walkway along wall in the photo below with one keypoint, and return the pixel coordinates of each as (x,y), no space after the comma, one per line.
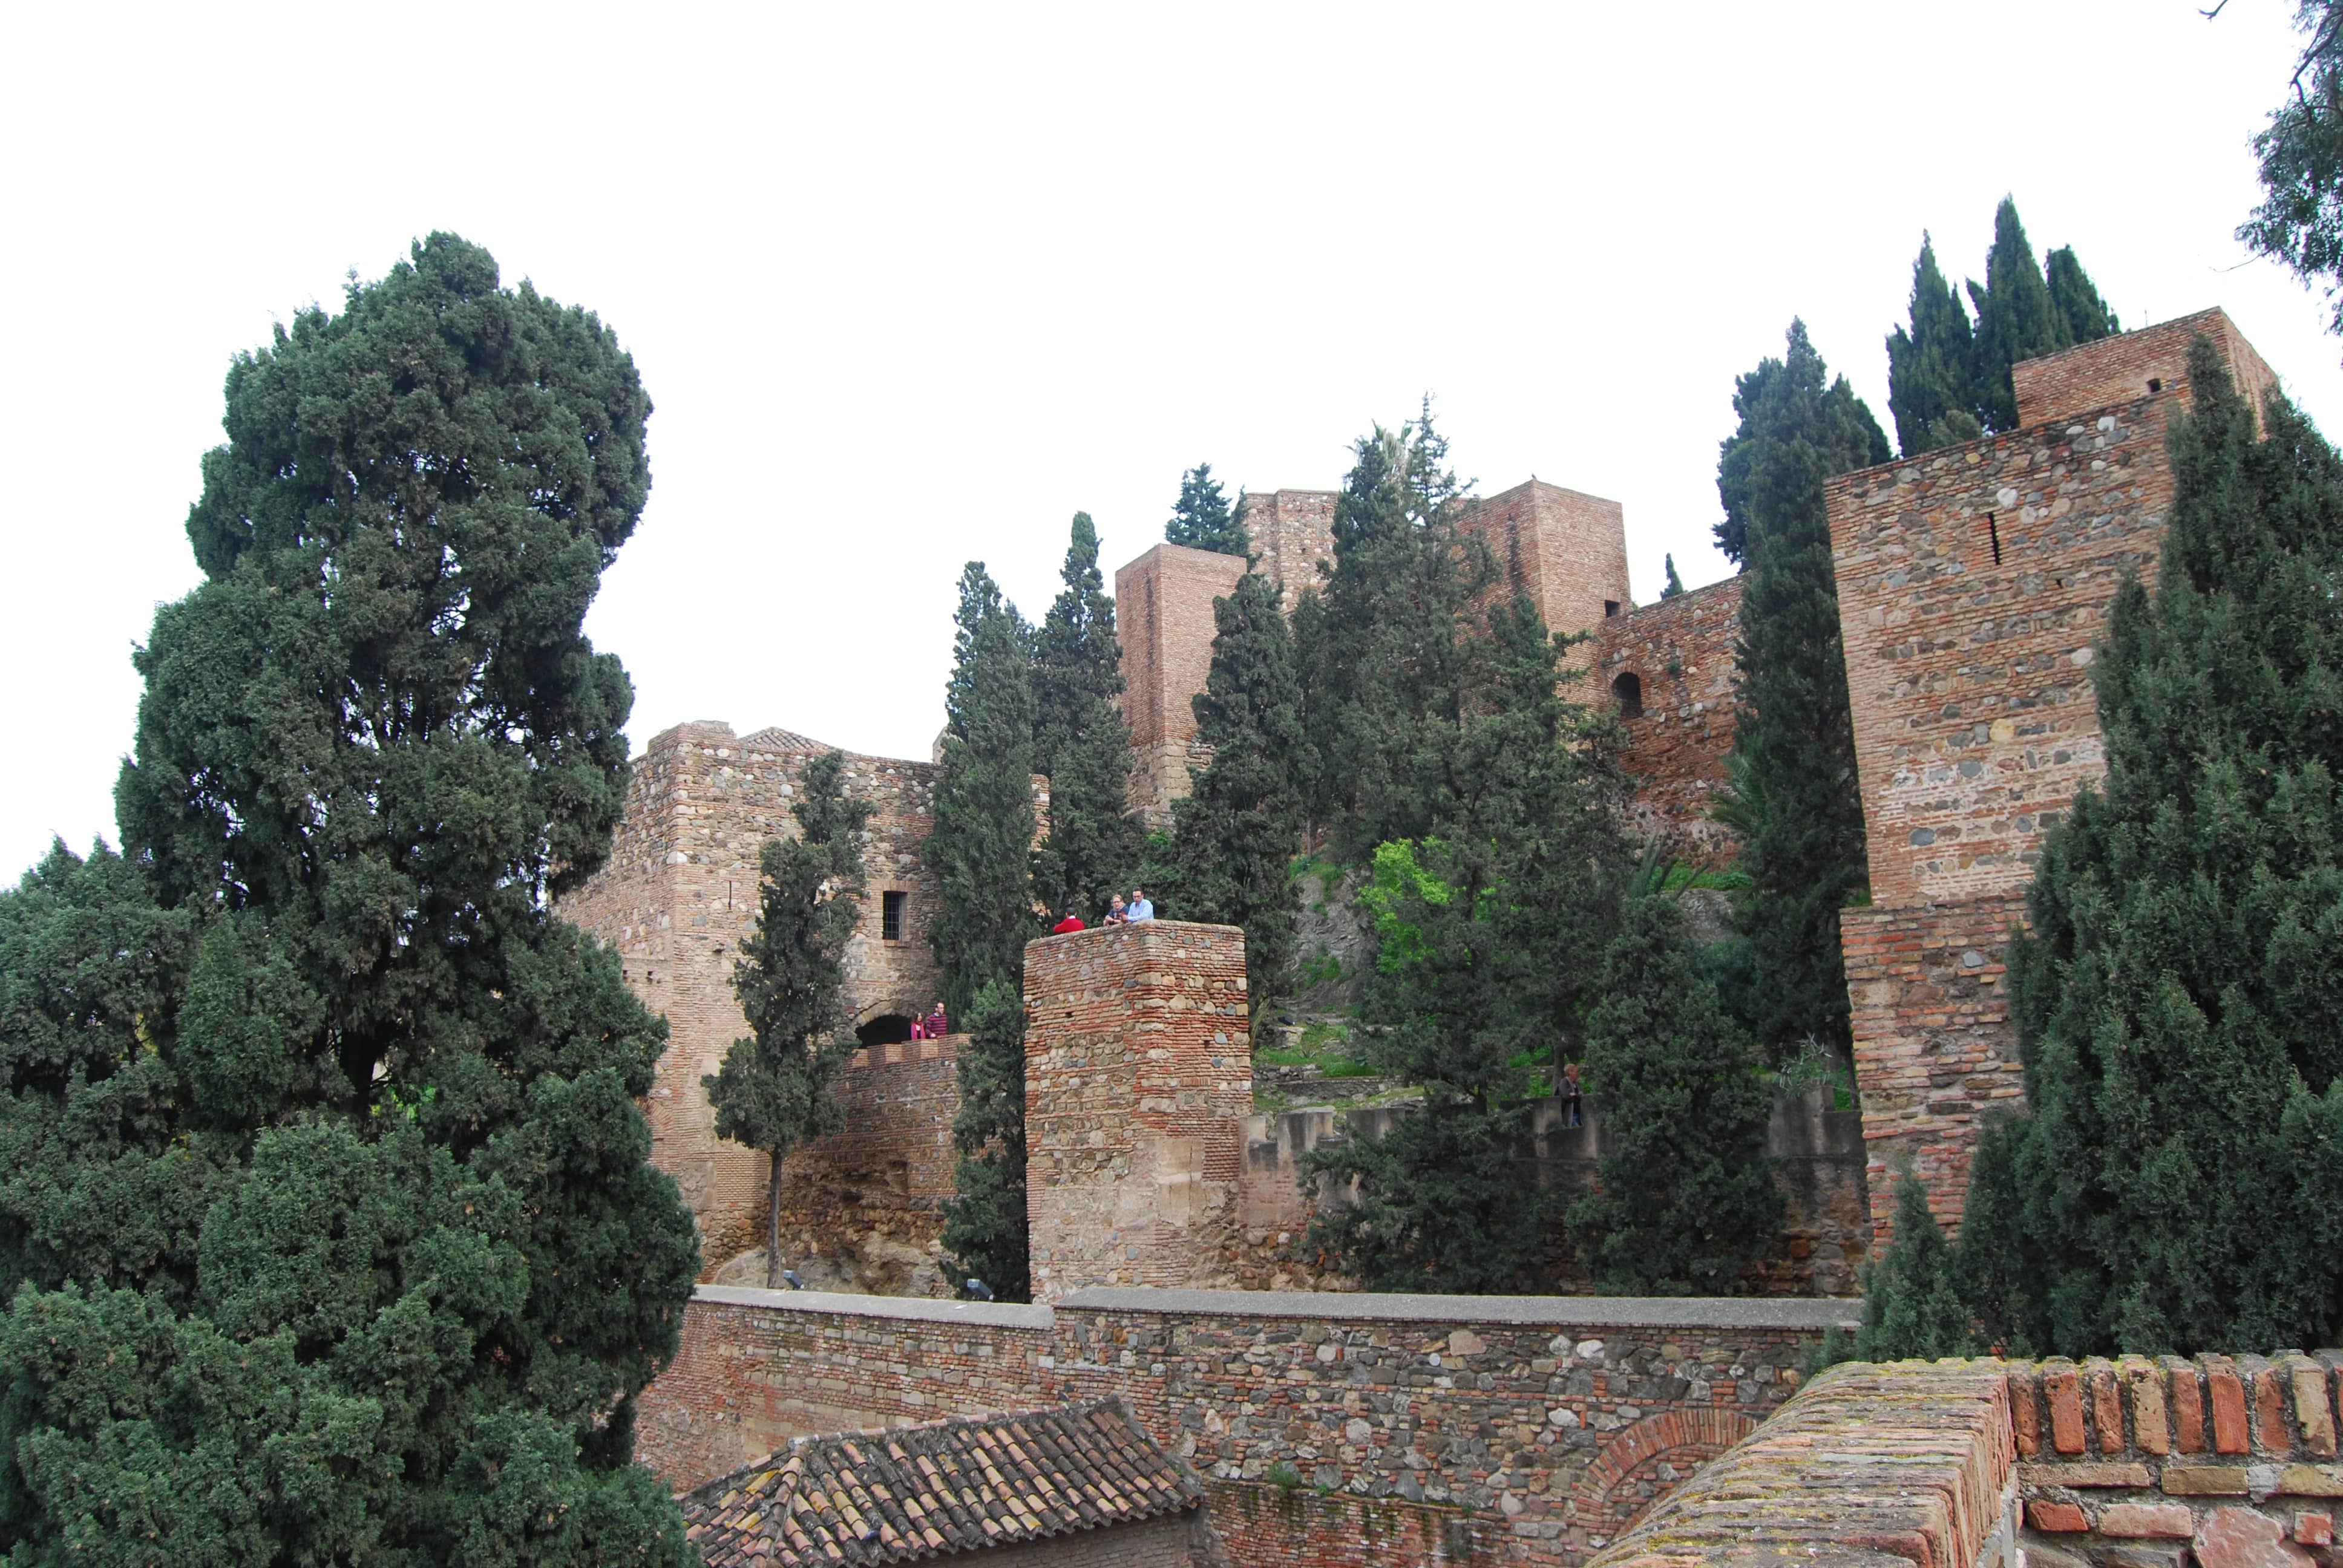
(1509,1428)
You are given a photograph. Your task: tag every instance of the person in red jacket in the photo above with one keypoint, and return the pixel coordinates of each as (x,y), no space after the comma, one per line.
(1072,922)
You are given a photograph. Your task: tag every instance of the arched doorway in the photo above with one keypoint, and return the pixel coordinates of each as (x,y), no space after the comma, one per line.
(885,1029)
(1629,689)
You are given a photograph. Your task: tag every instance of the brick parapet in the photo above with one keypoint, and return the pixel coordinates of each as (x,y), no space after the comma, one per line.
(2091,376)
(1532,1429)
(1679,653)
(1138,1078)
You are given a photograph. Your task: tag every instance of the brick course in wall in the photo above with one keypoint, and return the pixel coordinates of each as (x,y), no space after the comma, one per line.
(1529,1429)
(2090,376)
(680,892)
(1679,652)
(1138,1077)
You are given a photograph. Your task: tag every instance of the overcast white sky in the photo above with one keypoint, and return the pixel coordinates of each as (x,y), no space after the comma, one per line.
(909,286)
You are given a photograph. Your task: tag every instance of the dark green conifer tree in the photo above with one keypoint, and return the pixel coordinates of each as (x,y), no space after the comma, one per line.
(1932,391)
(980,848)
(778,1088)
(2083,316)
(327,1223)
(2175,1186)
(1793,731)
(2016,317)
(1674,585)
(1914,1307)
(1094,842)
(1235,836)
(1686,1199)
(1202,517)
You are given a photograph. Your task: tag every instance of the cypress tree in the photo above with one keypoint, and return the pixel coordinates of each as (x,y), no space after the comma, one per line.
(981,849)
(1202,517)
(2174,1185)
(1235,835)
(1793,731)
(1674,585)
(1931,366)
(1094,841)
(328,1224)
(2016,317)
(778,1089)
(1914,1304)
(2083,316)
(1686,1199)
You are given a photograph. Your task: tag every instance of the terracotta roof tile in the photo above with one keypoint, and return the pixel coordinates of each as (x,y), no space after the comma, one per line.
(873,1498)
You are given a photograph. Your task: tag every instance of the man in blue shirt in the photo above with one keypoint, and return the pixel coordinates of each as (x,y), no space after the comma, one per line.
(1138,908)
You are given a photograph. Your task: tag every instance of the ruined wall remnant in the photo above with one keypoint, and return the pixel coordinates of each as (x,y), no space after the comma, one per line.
(1666,671)
(1516,1429)
(1138,1077)
(680,892)
(1974,585)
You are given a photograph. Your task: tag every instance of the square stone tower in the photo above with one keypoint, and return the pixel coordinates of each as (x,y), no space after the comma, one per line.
(1138,1079)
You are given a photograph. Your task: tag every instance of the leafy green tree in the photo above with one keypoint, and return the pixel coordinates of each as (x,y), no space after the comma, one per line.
(2179,1001)
(1235,836)
(328,1216)
(980,848)
(1793,734)
(1474,996)
(1914,1306)
(1094,842)
(1202,517)
(1674,585)
(778,1088)
(2300,220)
(1932,391)
(1686,1199)
(985,1221)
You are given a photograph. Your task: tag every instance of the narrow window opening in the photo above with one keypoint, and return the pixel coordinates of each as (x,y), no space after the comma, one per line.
(2156,384)
(1610,608)
(890,916)
(1993,532)
(1629,689)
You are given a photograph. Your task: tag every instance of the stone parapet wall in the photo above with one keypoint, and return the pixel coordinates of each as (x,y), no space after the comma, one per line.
(2090,376)
(1531,1429)
(1679,653)
(1138,1076)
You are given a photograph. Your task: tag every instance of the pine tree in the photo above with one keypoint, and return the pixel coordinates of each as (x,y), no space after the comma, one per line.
(1674,585)
(1094,841)
(1931,368)
(1202,519)
(1914,1307)
(2083,316)
(980,848)
(2179,1004)
(1793,734)
(778,1089)
(1235,836)
(327,1223)
(985,1221)
(1686,1199)
(2016,317)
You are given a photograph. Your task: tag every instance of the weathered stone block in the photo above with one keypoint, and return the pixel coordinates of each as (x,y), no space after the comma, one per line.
(2206,1479)
(2148,1518)
(2241,1538)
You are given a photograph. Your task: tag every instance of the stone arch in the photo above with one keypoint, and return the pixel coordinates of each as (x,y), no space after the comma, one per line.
(887,1020)
(1631,1472)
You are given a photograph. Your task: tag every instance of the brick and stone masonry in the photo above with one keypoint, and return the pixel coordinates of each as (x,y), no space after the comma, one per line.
(1164,616)
(680,892)
(1974,585)
(1667,670)
(1138,1079)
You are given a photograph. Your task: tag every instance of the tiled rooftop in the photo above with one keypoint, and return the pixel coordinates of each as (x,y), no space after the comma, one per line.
(929,1490)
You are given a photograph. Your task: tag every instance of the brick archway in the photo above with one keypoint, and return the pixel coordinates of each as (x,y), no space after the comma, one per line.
(1643,1462)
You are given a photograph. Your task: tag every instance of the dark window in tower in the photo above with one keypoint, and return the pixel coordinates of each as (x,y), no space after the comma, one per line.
(1629,689)
(1610,608)
(2154,384)
(890,916)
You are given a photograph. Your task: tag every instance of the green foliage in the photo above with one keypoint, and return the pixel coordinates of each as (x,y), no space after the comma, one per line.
(984,1222)
(2083,316)
(1202,517)
(778,1088)
(1674,585)
(980,848)
(2300,220)
(1094,842)
(2175,1185)
(1932,366)
(1913,1306)
(1686,1199)
(2016,317)
(1236,832)
(1794,739)
(328,1216)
